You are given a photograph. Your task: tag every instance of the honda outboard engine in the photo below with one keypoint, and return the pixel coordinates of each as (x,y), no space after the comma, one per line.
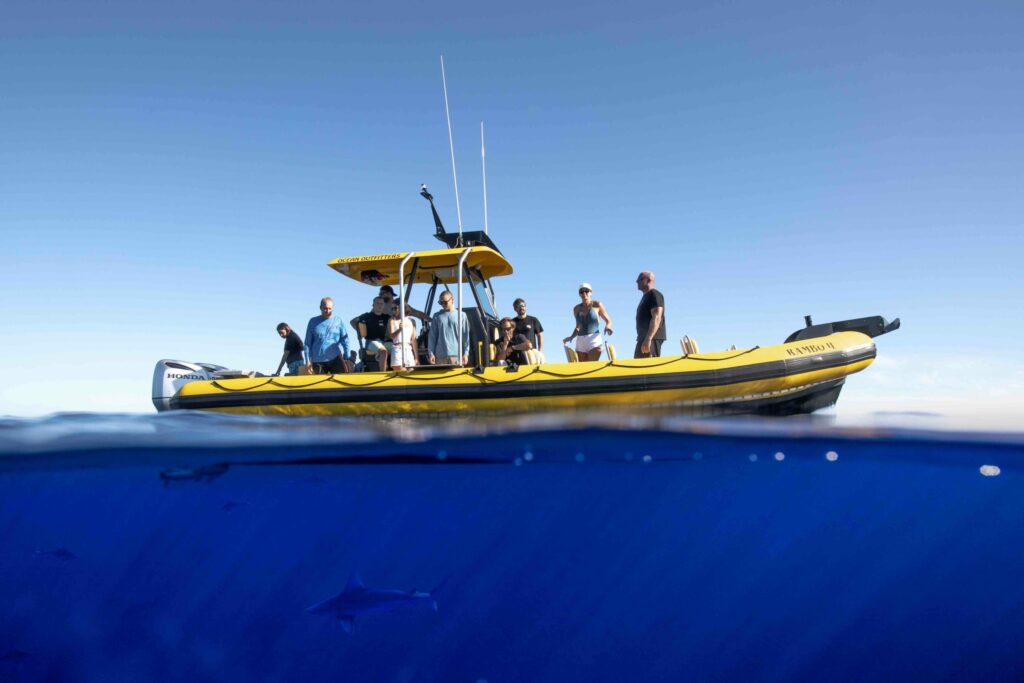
(171,375)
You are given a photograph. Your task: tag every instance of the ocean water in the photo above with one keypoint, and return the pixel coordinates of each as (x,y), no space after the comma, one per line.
(606,547)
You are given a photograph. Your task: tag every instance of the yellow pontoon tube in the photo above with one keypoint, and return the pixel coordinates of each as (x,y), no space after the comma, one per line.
(800,376)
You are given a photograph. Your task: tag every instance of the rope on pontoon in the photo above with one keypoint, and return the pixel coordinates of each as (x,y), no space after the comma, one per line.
(535,369)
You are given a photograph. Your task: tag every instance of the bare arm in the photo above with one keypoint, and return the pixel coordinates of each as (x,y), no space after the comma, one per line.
(604,316)
(575,330)
(284,359)
(409,310)
(656,316)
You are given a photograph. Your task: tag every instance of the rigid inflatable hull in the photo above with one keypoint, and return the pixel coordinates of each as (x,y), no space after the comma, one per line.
(788,378)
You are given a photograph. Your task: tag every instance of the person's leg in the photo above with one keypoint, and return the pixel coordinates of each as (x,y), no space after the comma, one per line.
(335,366)
(656,348)
(638,353)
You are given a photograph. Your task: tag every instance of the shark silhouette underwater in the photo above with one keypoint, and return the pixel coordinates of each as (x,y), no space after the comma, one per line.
(357,600)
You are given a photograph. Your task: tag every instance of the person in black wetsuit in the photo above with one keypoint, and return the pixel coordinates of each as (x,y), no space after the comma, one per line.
(292,356)
(650,318)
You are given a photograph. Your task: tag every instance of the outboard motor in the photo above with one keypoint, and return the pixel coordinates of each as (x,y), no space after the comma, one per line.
(171,375)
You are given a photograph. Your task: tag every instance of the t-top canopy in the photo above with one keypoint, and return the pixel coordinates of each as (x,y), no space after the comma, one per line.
(440,264)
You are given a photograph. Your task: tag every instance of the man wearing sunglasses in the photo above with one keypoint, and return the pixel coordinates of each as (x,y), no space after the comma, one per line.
(650,318)
(528,326)
(443,339)
(511,346)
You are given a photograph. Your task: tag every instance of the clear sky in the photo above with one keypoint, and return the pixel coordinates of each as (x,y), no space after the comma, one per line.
(175,176)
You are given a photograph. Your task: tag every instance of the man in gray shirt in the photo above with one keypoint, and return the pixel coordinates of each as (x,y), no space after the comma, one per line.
(443,340)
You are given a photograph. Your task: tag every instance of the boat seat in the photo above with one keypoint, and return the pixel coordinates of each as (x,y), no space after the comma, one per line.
(611,350)
(532,357)
(571,355)
(689,345)
(369,360)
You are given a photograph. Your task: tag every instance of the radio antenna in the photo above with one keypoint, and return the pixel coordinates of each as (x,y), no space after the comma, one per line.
(451,145)
(483,163)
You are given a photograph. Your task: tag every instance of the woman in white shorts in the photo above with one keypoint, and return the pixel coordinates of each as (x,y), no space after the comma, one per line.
(587,332)
(403,356)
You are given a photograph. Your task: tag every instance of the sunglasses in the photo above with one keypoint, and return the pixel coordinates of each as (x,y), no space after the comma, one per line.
(582,291)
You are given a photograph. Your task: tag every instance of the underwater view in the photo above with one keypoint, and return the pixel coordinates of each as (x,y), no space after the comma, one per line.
(205,547)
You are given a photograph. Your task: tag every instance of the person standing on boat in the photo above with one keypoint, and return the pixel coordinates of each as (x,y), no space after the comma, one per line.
(587,332)
(443,338)
(403,356)
(292,355)
(529,327)
(650,318)
(326,341)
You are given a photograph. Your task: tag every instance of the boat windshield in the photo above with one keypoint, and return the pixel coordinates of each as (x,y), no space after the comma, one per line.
(482,292)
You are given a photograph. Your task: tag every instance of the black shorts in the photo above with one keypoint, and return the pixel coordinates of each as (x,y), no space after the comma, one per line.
(655,349)
(329,367)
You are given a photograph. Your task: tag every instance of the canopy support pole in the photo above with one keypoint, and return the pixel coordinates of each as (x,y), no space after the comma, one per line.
(401,288)
(462,261)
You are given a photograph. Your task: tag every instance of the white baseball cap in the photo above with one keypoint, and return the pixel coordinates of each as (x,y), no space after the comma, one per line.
(585,285)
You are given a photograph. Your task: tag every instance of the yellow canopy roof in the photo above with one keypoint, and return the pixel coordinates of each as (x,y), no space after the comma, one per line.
(382,269)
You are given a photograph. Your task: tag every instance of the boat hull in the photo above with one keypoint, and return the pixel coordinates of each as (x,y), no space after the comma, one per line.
(788,378)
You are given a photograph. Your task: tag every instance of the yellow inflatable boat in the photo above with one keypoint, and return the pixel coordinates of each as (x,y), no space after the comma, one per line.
(801,375)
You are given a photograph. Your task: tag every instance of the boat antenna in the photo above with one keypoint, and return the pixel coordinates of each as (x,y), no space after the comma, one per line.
(483,163)
(451,145)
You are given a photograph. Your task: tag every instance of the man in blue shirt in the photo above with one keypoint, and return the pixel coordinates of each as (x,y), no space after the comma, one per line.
(443,340)
(326,342)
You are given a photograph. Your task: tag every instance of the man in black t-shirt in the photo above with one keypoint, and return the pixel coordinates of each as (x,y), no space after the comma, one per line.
(292,355)
(528,326)
(650,318)
(375,324)
(511,347)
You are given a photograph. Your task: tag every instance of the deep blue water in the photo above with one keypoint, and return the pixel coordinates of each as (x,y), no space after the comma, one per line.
(187,547)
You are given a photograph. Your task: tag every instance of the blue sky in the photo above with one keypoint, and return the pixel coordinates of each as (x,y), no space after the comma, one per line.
(175,177)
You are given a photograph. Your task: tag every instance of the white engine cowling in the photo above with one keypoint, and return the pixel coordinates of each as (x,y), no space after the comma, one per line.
(171,375)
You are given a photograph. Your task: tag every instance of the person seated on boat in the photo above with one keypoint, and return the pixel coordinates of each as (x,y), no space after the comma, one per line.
(403,356)
(529,327)
(292,355)
(326,342)
(388,292)
(587,332)
(375,323)
(443,338)
(511,346)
